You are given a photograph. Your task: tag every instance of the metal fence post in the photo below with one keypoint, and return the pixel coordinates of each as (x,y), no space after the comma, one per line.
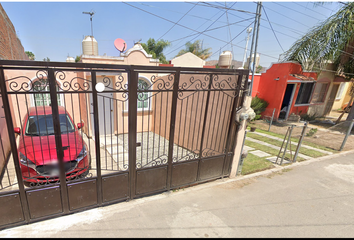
(172,127)
(58,140)
(271,120)
(300,141)
(97,138)
(346,135)
(286,145)
(12,138)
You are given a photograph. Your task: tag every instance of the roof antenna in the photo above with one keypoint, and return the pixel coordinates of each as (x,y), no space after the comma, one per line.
(91,15)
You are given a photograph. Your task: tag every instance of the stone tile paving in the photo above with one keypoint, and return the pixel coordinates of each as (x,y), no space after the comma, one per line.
(260,153)
(153,149)
(277,148)
(302,145)
(273,159)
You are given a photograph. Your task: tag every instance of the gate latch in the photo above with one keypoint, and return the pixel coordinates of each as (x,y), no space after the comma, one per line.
(138,144)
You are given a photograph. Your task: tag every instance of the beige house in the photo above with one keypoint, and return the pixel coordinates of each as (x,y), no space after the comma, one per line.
(328,93)
(188,60)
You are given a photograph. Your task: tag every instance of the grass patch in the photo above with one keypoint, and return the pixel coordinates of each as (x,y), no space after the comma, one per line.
(296,140)
(252,164)
(269,150)
(305,151)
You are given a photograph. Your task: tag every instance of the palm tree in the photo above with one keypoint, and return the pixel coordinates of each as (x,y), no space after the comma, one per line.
(156,48)
(332,40)
(30,55)
(196,49)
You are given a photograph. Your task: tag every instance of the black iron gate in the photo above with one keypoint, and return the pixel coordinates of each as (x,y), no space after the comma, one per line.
(163,128)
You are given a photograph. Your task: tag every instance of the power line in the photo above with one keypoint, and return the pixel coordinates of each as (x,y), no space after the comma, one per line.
(191,15)
(178,21)
(272,29)
(212,29)
(222,7)
(296,11)
(288,17)
(274,23)
(191,28)
(309,9)
(232,49)
(233,38)
(201,32)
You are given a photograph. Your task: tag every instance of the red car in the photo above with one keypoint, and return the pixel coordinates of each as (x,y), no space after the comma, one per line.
(37,148)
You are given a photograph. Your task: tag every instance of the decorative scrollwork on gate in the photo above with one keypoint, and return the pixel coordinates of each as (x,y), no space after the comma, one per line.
(161,160)
(228,85)
(44,181)
(186,157)
(207,152)
(119,86)
(196,84)
(75,84)
(161,83)
(29,84)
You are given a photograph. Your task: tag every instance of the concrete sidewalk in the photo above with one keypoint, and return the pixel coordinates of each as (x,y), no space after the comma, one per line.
(313,198)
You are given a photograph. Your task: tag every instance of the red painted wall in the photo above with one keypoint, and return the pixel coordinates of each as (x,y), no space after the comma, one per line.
(273,91)
(255,87)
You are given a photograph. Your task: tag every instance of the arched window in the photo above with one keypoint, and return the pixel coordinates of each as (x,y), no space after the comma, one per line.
(43,99)
(144,99)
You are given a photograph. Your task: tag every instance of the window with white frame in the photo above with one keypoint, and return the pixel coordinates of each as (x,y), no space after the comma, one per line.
(144,99)
(340,91)
(319,93)
(304,94)
(40,98)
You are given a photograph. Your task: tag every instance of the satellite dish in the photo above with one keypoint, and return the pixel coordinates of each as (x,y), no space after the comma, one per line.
(120,44)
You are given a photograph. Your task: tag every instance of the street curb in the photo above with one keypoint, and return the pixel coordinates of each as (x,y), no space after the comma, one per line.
(217,182)
(263,173)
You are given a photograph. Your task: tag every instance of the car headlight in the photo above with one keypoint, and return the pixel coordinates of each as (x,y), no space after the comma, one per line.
(82,154)
(25,161)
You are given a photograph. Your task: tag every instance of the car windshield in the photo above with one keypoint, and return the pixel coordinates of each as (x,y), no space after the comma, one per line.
(42,125)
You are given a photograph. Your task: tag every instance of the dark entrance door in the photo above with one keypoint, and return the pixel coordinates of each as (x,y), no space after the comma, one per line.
(287,100)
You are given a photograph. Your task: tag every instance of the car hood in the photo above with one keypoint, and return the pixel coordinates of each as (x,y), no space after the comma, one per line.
(42,149)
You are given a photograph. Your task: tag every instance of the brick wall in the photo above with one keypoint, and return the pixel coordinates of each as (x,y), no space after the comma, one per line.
(10,49)
(10,46)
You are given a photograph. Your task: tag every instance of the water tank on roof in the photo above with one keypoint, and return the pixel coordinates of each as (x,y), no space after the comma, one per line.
(225,59)
(89,46)
(252,58)
(70,59)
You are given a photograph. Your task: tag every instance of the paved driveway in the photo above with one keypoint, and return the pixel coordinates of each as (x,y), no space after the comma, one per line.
(314,198)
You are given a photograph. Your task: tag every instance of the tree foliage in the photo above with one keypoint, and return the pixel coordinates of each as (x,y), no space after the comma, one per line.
(196,49)
(30,55)
(330,41)
(78,58)
(156,48)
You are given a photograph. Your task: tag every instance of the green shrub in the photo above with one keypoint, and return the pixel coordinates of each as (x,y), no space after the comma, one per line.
(258,105)
(308,117)
(311,132)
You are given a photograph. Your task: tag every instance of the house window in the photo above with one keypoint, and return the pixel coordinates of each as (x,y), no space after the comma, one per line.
(40,98)
(143,97)
(340,91)
(304,95)
(319,93)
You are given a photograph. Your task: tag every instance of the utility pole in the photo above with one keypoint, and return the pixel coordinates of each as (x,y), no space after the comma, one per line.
(91,15)
(249,30)
(256,29)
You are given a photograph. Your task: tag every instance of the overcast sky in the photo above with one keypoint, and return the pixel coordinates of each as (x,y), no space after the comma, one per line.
(56,29)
